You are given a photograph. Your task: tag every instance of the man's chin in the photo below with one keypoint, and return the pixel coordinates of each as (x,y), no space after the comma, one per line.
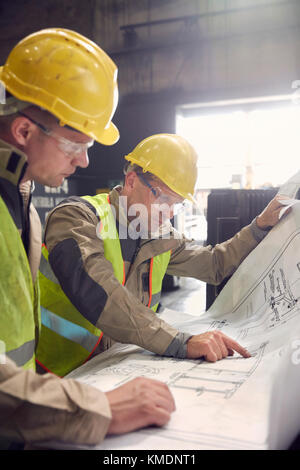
(51,182)
(56,182)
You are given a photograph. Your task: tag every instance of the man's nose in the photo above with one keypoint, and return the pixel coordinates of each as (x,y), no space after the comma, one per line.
(82,160)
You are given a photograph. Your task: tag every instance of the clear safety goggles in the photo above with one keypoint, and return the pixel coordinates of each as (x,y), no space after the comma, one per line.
(72,149)
(160,196)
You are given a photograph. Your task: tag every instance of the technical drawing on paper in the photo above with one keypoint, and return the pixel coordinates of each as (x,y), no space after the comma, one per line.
(215,379)
(196,376)
(272,301)
(234,402)
(134,368)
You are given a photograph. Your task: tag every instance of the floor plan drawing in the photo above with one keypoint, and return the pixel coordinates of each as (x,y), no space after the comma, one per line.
(217,379)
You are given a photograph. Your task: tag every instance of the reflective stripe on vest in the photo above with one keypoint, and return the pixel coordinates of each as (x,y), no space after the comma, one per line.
(155,298)
(67,338)
(19,296)
(23,354)
(69,330)
(45,267)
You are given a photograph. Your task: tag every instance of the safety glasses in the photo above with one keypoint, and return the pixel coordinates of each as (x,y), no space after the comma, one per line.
(160,196)
(72,149)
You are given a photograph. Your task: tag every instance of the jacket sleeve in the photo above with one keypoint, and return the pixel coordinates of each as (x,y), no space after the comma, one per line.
(76,256)
(213,264)
(36,408)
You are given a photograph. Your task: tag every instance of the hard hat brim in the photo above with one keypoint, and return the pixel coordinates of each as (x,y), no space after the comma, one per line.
(108,136)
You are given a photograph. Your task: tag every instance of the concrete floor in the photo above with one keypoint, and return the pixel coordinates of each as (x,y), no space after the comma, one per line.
(189,297)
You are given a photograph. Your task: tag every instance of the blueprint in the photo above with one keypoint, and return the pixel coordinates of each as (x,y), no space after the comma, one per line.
(235,403)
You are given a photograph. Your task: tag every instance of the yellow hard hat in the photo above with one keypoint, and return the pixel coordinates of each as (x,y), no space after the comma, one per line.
(69,76)
(171,158)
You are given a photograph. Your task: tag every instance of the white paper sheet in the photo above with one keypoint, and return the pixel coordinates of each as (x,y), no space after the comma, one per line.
(235,403)
(287,203)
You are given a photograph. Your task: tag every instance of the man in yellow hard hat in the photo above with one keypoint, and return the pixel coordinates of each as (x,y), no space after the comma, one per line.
(61,94)
(110,252)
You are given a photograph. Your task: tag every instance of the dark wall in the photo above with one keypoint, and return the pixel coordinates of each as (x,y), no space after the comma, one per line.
(136,118)
(18,18)
(253,51)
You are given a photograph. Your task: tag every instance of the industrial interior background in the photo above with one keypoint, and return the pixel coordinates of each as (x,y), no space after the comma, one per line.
(169,52)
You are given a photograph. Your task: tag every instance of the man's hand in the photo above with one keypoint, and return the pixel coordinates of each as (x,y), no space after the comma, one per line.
(139,403)
(270,215)
(213,345)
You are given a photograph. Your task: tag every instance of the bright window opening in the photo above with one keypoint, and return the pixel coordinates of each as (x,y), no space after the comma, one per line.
(253,144)
(247,149)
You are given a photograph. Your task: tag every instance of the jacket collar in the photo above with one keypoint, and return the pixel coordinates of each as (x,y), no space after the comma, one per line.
(13,163)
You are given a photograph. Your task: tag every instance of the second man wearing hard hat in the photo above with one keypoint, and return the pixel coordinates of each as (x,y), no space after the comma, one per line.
(110,252)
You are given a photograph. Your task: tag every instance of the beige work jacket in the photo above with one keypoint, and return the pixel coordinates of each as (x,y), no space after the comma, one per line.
(36,408)
(121,312)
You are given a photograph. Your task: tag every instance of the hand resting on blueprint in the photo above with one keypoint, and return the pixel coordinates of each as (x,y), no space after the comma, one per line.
(148,402)
(271,214)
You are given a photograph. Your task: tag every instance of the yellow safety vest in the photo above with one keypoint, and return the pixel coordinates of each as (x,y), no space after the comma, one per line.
(67,338)
(20,315)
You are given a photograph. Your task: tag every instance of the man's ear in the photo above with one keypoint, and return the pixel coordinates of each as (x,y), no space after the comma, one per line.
(130,180)
(22,130)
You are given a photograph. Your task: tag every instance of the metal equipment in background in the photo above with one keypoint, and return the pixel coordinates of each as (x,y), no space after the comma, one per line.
(228,211)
